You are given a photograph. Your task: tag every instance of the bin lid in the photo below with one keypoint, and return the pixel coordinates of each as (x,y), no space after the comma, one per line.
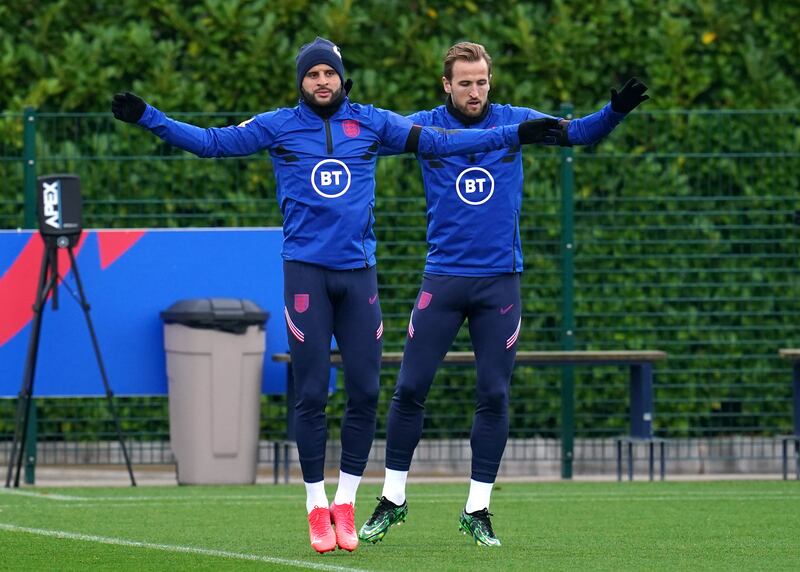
(226,314)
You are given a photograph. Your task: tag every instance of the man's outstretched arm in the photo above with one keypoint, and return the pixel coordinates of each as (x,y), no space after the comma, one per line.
(594,127)
(235,141)
(443,142)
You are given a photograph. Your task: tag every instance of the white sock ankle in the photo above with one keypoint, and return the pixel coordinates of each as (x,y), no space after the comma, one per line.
(394,486)
(346,491)
(479,495)
(315,496)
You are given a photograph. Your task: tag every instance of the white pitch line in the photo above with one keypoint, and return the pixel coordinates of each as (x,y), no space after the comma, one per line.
(159,498)
(154,498)
(55,497)
(176,548)
(132,504)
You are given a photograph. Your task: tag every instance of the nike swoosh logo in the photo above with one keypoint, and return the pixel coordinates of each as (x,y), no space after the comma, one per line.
(373,298)
(505,310)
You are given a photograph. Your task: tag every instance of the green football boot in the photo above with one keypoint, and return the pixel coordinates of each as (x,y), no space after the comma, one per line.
(384,516)
(478,525)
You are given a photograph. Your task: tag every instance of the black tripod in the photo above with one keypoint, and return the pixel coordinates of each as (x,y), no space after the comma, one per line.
(48,284)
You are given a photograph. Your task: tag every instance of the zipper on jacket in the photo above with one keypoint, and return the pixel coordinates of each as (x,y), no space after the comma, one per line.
(514,243)
(364,239)
(328,136)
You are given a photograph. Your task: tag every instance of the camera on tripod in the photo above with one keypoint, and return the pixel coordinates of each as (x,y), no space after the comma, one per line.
(59,207)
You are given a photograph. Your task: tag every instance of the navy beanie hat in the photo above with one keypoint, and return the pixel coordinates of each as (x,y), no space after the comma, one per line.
(320,51)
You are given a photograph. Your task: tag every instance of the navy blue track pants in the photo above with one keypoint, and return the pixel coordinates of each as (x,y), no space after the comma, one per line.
(493,309)
(320,303)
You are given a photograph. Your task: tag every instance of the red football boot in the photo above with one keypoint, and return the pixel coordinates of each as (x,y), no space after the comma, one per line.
(344,520)
(319,530)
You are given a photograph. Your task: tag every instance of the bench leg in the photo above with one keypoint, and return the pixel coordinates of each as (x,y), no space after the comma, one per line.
(797,458)
(630,460)
(796,398)
(641,390)
(286,463)
(276,462)
(785,458)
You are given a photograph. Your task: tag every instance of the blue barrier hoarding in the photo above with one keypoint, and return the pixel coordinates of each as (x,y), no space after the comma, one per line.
(129,277)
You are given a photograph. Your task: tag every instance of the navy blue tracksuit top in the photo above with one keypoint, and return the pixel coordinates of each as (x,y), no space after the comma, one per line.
(325,168)
(474,200)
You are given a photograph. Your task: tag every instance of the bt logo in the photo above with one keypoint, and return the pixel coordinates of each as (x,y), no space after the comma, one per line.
(330,178)
(475,186)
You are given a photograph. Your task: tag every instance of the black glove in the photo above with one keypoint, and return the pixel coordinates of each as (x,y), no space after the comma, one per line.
(545,131)
(127,107)
(631,95)
(542,130)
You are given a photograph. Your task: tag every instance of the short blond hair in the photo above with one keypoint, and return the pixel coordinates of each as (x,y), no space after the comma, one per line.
(468,52)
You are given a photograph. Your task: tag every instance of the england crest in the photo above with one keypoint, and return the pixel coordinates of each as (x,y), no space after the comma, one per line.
(301,303)
(424,300)
(351,127)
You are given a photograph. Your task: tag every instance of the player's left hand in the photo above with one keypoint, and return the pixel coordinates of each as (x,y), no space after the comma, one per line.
(544,131)
(631,95)
(536,130)
(127,107)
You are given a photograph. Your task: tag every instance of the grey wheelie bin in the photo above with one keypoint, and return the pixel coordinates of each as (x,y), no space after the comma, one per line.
(215,358)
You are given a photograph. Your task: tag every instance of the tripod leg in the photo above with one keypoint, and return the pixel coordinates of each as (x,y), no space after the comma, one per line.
(19,434)
(109,393)
(26,390)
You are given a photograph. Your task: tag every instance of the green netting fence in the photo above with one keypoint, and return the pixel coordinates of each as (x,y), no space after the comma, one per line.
(682,235)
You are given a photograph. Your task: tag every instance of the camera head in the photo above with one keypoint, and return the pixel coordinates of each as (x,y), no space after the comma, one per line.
(59,208)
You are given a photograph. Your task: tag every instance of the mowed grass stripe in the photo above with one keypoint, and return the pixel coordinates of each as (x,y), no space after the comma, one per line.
(65,535)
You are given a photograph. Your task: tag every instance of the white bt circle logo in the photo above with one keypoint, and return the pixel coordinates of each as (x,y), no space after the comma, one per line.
(475,186)
(330,178)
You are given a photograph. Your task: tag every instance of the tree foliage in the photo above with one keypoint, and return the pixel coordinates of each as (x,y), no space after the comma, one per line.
(237,55)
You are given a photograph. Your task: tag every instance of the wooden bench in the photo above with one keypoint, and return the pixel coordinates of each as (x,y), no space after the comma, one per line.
(793,355)
(641,386)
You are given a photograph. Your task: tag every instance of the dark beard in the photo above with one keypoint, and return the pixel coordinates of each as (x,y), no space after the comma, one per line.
(327,110)
(463,117)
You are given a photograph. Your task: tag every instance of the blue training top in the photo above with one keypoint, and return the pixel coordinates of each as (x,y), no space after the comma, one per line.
(474,201)
(325,168)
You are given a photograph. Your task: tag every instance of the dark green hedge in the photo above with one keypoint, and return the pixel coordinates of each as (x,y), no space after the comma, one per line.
(223,55)
(683,219)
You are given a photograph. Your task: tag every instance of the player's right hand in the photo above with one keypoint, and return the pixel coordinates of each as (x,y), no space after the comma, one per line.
(127,107)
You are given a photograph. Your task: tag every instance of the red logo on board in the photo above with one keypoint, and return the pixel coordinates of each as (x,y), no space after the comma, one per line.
(351,127)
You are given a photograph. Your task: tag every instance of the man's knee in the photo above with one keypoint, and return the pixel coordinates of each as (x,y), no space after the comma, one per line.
(310,402)
(407,393)
(364,397)
(494,399)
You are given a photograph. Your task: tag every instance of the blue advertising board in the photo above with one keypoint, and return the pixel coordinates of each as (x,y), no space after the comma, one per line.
(129,277)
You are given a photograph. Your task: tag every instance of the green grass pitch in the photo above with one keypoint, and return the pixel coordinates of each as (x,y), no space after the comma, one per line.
(730,525)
